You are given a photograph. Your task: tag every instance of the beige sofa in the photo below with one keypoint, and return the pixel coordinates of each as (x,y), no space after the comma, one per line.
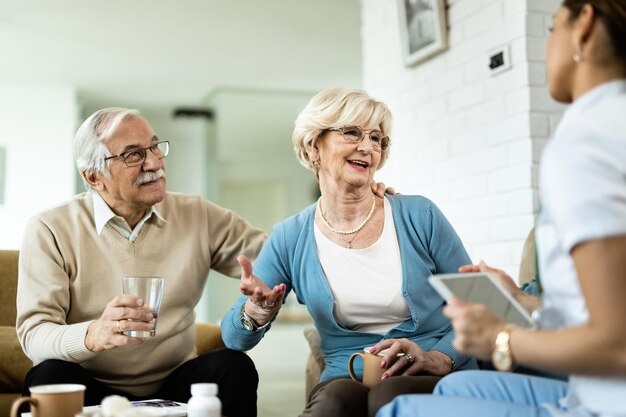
(14,364)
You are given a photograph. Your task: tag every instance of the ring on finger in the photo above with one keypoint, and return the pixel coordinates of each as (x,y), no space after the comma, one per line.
(409,358)
(268,303)
(117,326)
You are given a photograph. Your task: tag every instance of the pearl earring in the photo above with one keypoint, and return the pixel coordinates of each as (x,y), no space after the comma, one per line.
(577,55)
(316,163)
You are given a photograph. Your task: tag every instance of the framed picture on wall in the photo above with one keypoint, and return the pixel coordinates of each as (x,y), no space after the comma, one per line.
(423,29)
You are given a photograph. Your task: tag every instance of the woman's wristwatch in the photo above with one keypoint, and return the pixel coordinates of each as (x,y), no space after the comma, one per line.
(249,324)
(502,357)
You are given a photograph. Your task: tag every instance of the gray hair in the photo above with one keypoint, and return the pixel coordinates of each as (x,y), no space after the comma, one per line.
(89,141)
(338,107)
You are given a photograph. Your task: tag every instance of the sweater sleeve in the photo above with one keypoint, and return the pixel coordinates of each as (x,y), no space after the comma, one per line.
(43,301)
(231,236)
(271,268)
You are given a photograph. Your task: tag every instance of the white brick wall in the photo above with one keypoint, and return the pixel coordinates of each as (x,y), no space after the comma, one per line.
(462,137)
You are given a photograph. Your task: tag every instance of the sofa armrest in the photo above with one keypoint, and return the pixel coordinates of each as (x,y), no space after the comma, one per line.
(14,364)
(208,337)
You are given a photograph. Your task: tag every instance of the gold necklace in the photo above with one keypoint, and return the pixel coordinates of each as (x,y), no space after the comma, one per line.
(348,232)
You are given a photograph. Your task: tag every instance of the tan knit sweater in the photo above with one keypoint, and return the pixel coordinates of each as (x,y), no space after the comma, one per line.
(68,274)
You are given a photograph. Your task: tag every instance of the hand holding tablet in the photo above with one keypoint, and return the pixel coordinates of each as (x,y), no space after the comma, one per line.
(482,288)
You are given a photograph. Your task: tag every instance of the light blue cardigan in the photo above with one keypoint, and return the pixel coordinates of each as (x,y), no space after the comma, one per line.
(428,245)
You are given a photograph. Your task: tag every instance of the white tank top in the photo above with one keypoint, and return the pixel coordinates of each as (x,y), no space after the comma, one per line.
(366,283)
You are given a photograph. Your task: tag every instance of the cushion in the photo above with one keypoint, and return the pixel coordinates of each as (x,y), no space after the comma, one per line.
(315,361)
(312,336)
(528,264)
(13,362)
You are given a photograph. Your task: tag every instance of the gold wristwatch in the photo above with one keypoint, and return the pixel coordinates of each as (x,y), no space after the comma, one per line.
(502,357)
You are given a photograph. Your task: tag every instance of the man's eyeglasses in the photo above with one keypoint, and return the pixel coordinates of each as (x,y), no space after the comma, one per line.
(136,157)
(355,134)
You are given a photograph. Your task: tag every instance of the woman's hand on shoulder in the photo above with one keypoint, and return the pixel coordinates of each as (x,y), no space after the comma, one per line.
(404,357)
(380,190)
(263,302)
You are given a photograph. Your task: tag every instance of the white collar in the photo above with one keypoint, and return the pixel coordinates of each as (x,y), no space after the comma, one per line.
(591,97)
(102,213)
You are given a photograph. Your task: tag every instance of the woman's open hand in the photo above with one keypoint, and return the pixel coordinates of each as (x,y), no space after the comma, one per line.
(263,302)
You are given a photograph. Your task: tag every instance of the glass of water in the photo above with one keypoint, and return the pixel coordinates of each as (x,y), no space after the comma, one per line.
(150,290)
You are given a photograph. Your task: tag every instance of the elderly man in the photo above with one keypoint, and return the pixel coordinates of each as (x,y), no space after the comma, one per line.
(71,312)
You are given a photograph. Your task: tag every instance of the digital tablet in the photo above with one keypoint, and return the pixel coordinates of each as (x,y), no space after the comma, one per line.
(482,288)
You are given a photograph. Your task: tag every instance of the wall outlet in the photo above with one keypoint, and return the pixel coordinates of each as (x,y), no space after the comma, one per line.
(499,60)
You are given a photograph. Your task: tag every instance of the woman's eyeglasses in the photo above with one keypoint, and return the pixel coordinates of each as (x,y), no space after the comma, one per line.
(355,134)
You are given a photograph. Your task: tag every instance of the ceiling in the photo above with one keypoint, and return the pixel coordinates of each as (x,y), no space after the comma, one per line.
(158,54)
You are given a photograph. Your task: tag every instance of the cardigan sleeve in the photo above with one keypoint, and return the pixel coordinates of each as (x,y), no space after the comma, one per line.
(448,254)
(446,249)
(271,267)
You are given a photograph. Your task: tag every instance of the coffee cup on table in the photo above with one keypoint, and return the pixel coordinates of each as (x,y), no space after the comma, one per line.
(150,290)
(55,400)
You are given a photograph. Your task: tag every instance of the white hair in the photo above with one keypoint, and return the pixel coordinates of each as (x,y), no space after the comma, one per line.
(338,107)
(89,141)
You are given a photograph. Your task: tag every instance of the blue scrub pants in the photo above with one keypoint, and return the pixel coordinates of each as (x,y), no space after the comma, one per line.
(482,394)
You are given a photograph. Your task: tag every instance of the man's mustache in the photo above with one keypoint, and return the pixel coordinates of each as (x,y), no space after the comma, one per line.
(149,177)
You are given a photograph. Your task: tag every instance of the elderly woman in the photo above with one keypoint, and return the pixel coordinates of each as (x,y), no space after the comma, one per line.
(359,262)
(581,241)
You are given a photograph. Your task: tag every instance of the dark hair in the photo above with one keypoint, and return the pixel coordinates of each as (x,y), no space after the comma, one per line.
(612,13)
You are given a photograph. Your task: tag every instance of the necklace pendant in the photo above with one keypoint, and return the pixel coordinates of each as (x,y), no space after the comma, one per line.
(350,245)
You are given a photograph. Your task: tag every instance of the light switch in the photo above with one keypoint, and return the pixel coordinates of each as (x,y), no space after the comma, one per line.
(499,59)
